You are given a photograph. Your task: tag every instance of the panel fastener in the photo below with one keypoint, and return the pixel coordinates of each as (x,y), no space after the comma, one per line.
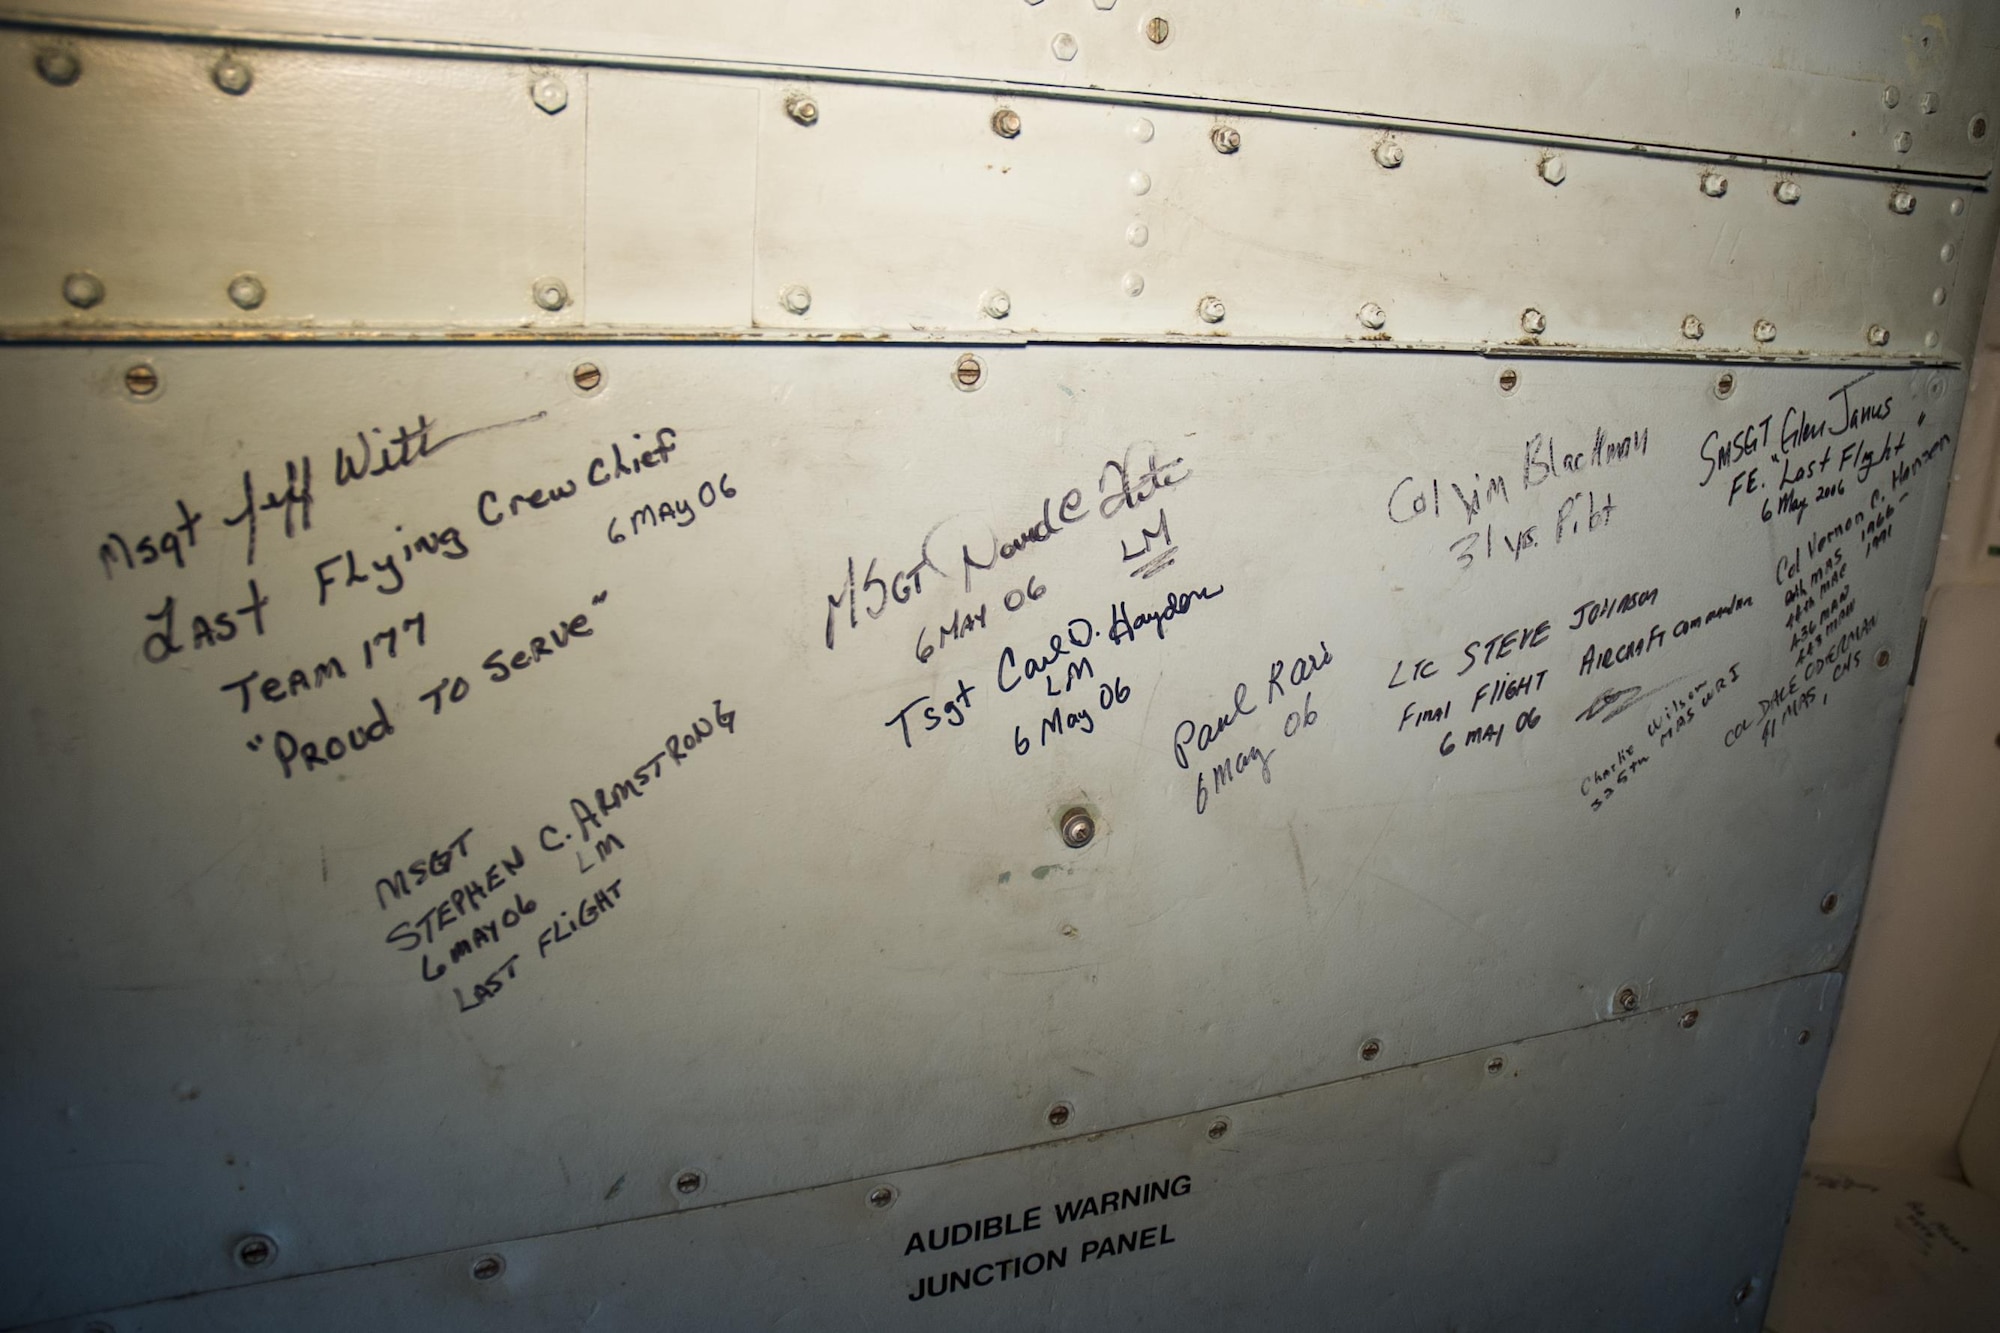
(83,289)
(1007,123)
(246,291)
(1078,827)
(1786,192)
(550,93)
(1975,129)
(1496,1064)
(803,109)
(1210,309)
(58,66)
(231,75)
(795,298)
(1137,234)
(1226,139)
(1134,284)
(1507,380)
(551,294)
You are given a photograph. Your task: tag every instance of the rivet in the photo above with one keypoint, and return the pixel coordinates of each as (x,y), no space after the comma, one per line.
(1931,338)
(1786,192)
(1891,95)
(83,289)
(1136,234)
(1495,1065)
(1007,123)
(1957,207)
(1059,1114)
(1551,168)
(1142,130)
(1157,31)
(1077,827)
(1210,309)
(1743,1293)
(58,65)
(551,294)
(551,94)
(255,1251)
(1372,316)
(1725,384)
(1714,184)
(1133,284)
(587,376)
(1508,380)
(1763,330)
(247,291)
(1877,336)
(487,1267)
(1901,143)
(996,304)
(1064,46)
(1829,903)
(1928,103)
(142,381)
(968,372)
(1068,931)
(1882,658)
(1690,1018)
(881,1196)
(1626,1000)
(1691,328)
(1976,128)
(1946,253)
(1533,322)
(806,111)
(1389,154)
(231,75)
(1370,1049)
(1226,139)
(1902,201)
(796,299)
(1218,1127)
(1105,4)
(689,1182)
(1805,1036)
(1139,182)
(1938,295)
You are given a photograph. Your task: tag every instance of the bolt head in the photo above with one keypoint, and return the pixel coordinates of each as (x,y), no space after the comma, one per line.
(881,1197)
(255,1251)
(1902,201)
(58,66)
(1007,123)
(1877,336)
(795,298)
(997,304)
(551,294)
(142,381)
(246,291)
(1533,322)
(588,377)
(1226,138)
(1064,46)
(1210,309)
(1786,192)
(688,1182)
(1714,184)
(551,94)
(1389,154)
(1891,95)
(1552,169)
(1928,104)
(802,109)
(1902,141)
(83,289)
(1691,328)
(1372,316)
(487,1267)
(1078,827)
(1158,30)
(231,75)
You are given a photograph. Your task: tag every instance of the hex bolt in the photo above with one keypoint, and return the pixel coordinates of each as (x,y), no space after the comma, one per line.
(688,1182)
(1877,336)
(997,304)
(1007,123)
(1690,1018)
(1691,328)
(1829,903)
(1157,31)
(1928,103)
(1725,384)
(247,291)
(551,94)
(795,298)
(1210,309)
(806,111)
(881,1196)
(83,289)
(487,1267)
(58,66)
(1714,184)
(1389,154)
(1902,201)
(1226,139)
(1218,1127)
(231,75)
(1508,380)
(1495,1065)
(968,372)
(255,1251)
(587,376)
(1902,142)
(1134,284)
(1077,827)
(1883,658)
(1372,316)
(1059,1114)
(142,381)
(1763,330)
(1064,46)
(1370,1049)
(1786,192)
(1533,322)
(1626,1000)
(1891,95)
(1551,168)
(550,293)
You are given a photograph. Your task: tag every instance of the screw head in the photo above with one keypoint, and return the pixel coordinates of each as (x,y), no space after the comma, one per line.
(1763,330)
(1059,1114)
(1372,316)
(1805,1036)
(1975,129)
(1786,192)
(1495,1065)
(1064,46)
(1533,322)
(1218,1127)
(487,1267)
(551,294)
(1157,31)
(1077,827)
(1626,1000)
(1902,201)
(795,298)
(1389,154)
(1690,1018)
(550,93)
(1829,903)
(1891,95)
(881,1196)
(997,304)
(1370,1049)
(1551,168)
(1508,380)
(246,291)
(58,65)
(83,289)
(1134,284)
(1743,1293)
(1928,103)
(231,75)
(1725,384)
(1902,142)
(255,1251)
(587,377)
(688,1182)
(1882,658)
(1007,123)
(1714,184)
(142,381)
(968,373)
(1877,336)
(806,111)
(1210,309)
(1226,138)
(1691,328)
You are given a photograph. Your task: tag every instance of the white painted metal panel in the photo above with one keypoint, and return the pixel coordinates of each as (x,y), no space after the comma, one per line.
(841,949)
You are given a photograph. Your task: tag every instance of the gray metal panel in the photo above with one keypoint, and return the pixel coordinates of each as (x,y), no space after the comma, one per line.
(836,953)
(1645,1162)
